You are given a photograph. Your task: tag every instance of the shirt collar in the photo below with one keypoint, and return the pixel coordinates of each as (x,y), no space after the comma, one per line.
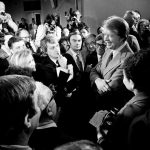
(54,60)
(116,51)
(73,53)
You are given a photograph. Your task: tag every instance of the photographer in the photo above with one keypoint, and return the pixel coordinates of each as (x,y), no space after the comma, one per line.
(49,28)
(73,20)
(6,23)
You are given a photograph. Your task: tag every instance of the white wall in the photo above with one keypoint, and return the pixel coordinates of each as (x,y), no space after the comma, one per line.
(95,11)
(63,5)
(15,8)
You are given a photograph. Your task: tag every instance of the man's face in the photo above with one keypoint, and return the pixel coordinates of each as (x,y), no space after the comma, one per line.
(111,38)
(53,50)
(76,42)
(100,47)
(18,46)
(91,44)
(25,35)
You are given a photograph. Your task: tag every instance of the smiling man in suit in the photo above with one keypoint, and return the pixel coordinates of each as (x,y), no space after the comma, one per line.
(107,76)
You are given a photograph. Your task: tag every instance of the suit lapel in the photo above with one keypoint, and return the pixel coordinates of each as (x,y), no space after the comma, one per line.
(69,52)
(116,61)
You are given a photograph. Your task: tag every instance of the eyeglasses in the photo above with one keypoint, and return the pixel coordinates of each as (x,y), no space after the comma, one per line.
(100,45)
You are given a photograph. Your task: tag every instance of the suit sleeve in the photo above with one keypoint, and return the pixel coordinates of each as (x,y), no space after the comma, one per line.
(95,73)
(116,80)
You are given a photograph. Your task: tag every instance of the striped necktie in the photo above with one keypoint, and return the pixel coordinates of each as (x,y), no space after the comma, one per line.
(79,63)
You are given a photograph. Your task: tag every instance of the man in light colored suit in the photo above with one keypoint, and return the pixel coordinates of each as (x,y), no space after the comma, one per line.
(107,76)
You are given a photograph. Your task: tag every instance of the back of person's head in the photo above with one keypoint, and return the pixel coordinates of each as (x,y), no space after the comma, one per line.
(16,105)
(22,59)
(80,145)
(136,68)
(118,25)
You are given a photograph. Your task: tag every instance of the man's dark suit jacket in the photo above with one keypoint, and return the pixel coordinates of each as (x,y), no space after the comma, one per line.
(139,132)
(138,105)
(46,73)
(114,73)
(79,105)
(76,82)
(48,138)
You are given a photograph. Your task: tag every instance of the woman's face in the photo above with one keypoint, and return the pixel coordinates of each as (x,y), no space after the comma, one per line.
(111,38)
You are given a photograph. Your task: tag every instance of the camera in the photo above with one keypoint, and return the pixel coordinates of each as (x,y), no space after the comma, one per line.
(3,17)
(52,27)
(3,13)
(73,19)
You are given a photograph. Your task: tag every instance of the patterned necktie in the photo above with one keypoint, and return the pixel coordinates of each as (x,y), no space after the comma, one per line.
(109,58)
(79,63)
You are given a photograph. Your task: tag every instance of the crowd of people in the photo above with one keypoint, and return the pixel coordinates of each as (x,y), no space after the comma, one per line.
(53,79)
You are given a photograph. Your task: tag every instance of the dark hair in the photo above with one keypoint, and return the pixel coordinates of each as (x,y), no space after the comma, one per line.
(76,32)
(141,21)
(13,40)
(115,23)
(49,18)
(137,69)
(16,101)
(80,145)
